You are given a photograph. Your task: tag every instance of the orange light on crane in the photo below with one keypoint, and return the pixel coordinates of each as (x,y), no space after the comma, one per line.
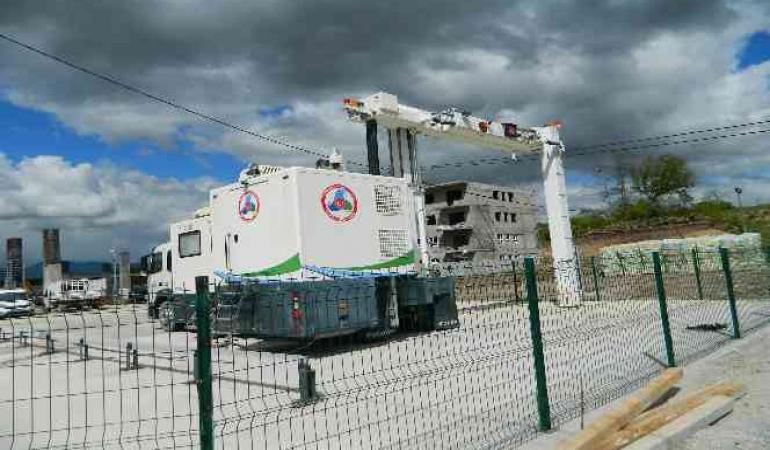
(352,103)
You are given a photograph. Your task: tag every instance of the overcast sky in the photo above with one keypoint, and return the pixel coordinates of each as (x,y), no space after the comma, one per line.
(112,169)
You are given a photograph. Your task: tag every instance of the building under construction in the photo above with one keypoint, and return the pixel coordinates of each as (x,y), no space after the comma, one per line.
(479,222)
(14,273)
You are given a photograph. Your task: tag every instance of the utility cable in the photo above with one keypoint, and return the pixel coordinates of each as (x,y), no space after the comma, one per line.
(139,91)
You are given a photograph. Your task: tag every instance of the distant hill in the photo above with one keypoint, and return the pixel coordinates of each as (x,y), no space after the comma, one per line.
(595,229)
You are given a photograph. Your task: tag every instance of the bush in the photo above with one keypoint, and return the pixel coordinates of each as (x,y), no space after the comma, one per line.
(640,210)
(713,208)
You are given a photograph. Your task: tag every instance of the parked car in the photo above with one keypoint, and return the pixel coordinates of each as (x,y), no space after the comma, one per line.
(14,303)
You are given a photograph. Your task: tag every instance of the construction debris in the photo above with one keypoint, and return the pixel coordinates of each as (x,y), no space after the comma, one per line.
(597,432)
(683,427)
(638,424)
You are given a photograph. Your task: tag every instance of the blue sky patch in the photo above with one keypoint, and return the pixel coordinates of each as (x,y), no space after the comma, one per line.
(274,112)
(29,133)
(755,50)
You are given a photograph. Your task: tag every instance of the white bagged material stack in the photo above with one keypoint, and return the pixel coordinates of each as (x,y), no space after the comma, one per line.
(676,254)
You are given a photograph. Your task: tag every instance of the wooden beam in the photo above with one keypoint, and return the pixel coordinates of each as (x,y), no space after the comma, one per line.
(656,418)
(684,426)
(598,431)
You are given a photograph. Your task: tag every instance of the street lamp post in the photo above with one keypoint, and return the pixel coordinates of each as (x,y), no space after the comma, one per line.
(114,254)
(738,192)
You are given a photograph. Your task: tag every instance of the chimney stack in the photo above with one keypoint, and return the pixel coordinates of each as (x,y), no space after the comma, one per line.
(51,246)
(52,266)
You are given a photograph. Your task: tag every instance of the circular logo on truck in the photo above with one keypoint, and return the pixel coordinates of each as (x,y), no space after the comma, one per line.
(248,206)
(339,203)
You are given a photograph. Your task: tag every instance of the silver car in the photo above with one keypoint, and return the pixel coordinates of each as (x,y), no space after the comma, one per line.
(14,303)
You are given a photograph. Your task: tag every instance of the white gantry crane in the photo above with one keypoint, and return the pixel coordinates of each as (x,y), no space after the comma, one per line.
(404,123)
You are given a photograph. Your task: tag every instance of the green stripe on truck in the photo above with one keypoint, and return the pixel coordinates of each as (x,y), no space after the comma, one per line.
(290,265)
(402,260)
(294,264)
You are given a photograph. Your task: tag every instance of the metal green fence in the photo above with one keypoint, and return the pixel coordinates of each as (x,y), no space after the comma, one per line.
(517,364)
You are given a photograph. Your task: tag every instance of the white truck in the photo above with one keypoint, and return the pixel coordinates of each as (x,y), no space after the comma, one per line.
(302,226)
(75,293)
(290,224)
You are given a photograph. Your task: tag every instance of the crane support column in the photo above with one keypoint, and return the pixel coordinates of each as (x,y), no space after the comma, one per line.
(404,164)
(372,147)
(562,246)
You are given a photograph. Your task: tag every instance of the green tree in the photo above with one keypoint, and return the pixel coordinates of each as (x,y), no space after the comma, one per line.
(659,178)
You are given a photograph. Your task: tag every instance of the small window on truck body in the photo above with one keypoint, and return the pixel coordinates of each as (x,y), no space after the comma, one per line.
(190,244)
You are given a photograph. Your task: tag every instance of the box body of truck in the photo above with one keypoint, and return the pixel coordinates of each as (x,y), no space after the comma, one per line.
(286,224)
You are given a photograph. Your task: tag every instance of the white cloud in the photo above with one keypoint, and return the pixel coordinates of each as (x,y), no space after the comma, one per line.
(96,207)
(610,71)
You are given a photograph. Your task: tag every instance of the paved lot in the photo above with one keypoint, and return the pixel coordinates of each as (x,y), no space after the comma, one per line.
(748,427)
(470,387)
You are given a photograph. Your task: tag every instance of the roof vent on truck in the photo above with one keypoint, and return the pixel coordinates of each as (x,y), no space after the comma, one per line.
(255,170)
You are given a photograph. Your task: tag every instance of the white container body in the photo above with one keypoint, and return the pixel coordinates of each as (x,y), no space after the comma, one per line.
(276,226)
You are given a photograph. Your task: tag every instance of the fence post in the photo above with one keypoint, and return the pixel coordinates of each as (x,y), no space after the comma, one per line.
(696,266)
(597,289)
(203,381)
(543,408)
(724,255)
(663,310)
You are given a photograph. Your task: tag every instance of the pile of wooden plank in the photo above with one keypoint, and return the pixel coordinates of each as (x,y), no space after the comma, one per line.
(644,421)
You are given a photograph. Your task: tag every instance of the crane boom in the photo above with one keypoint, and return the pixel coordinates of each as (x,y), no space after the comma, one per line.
(451,123)
(405,122)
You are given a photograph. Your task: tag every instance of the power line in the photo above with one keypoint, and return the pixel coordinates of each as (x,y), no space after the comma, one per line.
(610,147)
(503,160)
(678,134)
(676,142)
(139,91)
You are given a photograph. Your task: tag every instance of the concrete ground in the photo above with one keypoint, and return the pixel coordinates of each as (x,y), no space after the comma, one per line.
(748,427)
(469,387)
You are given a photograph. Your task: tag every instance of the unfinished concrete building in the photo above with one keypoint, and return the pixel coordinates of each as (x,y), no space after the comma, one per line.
(476,222)
(52,263)
(14,275)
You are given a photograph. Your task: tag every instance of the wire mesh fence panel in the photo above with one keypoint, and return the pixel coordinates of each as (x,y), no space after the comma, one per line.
(750,270)
(463,384)
(698,324)
(101,378)
(443,361)
(598,350)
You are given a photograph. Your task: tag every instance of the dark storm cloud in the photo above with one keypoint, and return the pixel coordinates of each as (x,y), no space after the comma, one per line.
(608,69)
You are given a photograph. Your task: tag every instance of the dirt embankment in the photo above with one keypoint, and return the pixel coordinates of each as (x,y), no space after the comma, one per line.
(593,241)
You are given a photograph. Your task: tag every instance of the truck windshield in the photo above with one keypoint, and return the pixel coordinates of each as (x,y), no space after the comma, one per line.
(152,263)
